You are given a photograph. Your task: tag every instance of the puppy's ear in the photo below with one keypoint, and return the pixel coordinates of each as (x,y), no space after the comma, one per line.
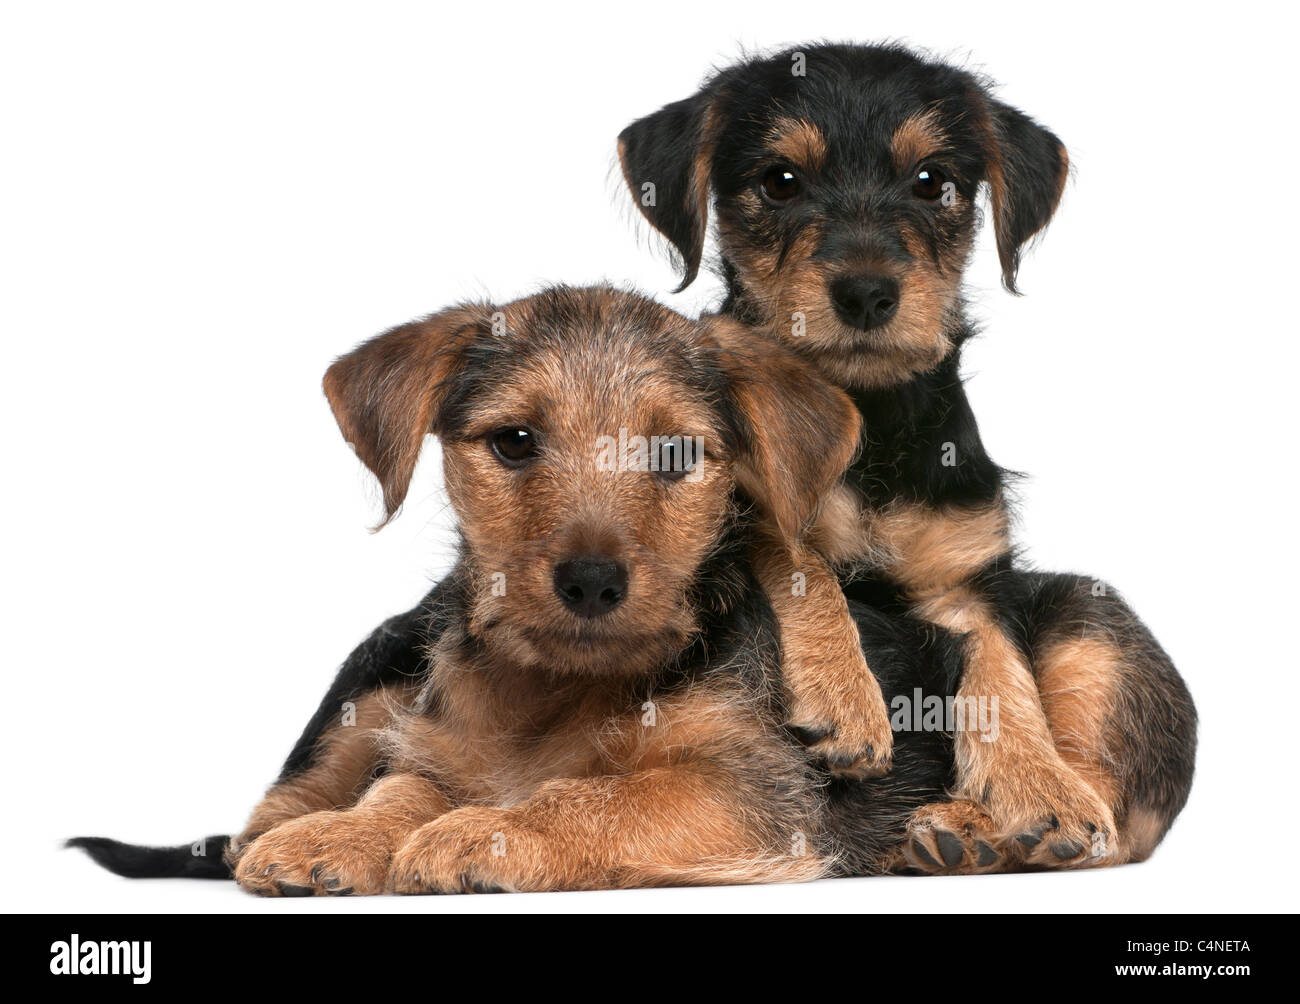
(386,393)
(1027,169)
(798,431)
(667,159)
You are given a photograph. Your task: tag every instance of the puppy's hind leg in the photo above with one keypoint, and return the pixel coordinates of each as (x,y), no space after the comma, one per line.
(1118,711)
(1120,719)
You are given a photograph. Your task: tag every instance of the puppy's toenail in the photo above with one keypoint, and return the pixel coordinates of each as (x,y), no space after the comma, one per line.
(950,847)
(919,850)
(1066,849)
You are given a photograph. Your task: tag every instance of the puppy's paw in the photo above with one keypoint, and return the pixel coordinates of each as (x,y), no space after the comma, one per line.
(1055,818)
(321,854)
(953,838)
(846,725)
(467,850)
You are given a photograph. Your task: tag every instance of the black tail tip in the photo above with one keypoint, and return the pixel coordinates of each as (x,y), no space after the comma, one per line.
(201,859)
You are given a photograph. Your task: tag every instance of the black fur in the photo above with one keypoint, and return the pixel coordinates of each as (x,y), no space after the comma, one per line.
(134,861)
(906,429)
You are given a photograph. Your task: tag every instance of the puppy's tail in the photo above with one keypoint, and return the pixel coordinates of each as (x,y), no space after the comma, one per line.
(201,859)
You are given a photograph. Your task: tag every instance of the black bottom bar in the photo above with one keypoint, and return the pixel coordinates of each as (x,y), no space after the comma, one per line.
(660,954)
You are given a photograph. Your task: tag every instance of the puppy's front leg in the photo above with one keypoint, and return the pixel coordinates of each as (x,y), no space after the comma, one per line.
(337,853)
(675,825)
(835,703)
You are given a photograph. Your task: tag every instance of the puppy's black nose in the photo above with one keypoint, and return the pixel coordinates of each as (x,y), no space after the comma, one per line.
(591,587)
(864,301)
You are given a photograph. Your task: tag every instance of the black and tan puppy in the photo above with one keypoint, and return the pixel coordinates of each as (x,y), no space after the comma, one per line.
(844,180)
(596,702)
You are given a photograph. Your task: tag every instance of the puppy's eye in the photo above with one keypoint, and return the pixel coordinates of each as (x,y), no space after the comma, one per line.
(928,183)
(780,184)
(676,459)
(514,447)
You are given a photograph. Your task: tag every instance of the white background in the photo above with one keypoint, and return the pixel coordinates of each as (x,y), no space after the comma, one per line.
(204,204)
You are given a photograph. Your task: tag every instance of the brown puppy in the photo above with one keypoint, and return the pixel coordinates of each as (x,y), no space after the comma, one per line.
(844,182)
(603,706)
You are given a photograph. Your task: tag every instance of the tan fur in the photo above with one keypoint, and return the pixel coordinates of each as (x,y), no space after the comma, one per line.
(930,550)
(1076,683)
(599,799)
(796,284)
(575,787)
(840,535)
(669,825)
(579,508)
(798,142)
(1078,680)
(1143,832)
(919,136)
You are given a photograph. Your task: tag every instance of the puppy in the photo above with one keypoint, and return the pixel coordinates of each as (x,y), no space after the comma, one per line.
(844,181)
(598,701)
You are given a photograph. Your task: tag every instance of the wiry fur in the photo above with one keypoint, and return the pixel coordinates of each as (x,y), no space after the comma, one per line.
(920,525)
(498,742)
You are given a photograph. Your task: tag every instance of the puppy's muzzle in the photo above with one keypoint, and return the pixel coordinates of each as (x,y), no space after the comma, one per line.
(591,586)
(864,301)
